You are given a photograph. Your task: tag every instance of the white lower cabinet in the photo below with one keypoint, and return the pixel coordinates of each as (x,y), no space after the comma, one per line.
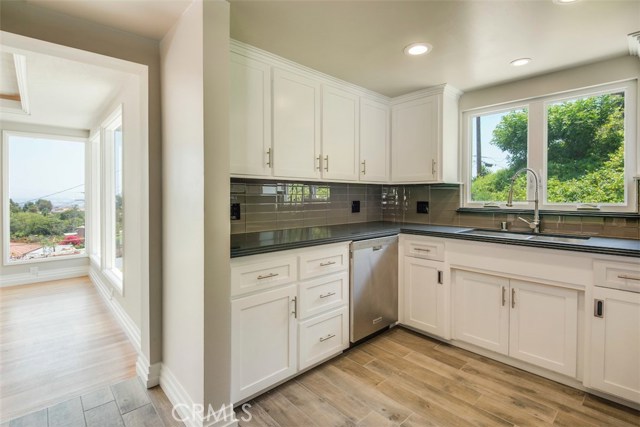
(528,321)
(263,340)
(615,343)
(322,337)
(426,306)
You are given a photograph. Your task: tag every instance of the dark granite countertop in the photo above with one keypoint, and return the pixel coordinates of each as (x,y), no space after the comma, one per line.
(279,240)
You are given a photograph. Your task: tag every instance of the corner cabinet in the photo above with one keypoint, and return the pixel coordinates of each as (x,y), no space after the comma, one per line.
(250,117)
(424,135)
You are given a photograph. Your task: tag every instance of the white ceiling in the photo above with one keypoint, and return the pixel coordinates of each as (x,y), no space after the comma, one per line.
(473,41)
(147,18)
(65,93)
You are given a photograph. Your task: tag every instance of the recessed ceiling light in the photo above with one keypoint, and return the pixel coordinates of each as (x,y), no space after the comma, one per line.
(418,49)
(520,62)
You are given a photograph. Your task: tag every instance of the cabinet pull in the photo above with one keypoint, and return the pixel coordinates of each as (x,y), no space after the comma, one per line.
(440,276)
(327,295)
(513,298)
(328,337)
(433,167)
(326,163)
(364,167)
(504,296)
(319,161)
(269,158)
(598,308)
(324,264)
(624,276)
(422,250)
(268,276)
(295,307)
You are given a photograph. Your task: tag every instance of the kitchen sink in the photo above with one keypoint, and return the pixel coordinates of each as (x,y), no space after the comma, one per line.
(525,236)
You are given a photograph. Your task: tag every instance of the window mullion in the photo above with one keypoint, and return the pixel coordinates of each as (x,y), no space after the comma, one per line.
(536,154)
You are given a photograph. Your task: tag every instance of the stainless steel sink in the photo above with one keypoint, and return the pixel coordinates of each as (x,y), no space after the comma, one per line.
(498,234)
(523,236)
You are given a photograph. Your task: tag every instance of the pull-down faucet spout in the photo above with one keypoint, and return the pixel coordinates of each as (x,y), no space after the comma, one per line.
(535,224)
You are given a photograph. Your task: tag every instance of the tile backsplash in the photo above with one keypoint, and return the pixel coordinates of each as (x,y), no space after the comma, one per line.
(399,205)
(277,205)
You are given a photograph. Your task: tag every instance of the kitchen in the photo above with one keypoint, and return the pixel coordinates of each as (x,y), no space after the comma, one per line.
(302,206)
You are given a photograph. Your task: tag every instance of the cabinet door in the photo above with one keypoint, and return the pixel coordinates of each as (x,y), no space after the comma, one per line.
(323,336)
(481,310)
(296,125)
(340,140)
(374,141)
(425,291)
(544,326)
(263,343)
(615,343)
(415,137)
(250,117)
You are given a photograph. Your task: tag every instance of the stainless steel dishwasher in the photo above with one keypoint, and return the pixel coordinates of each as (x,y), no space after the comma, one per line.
(373,286)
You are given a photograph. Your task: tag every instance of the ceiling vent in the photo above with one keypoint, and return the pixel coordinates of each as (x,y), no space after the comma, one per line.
(634,43)
(13,83)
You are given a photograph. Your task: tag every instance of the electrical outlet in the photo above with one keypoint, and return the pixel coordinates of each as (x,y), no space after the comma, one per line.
(355,206)
(422,207)
(235,211)
(33,271)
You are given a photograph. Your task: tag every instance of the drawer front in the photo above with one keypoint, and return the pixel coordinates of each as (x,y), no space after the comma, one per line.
(318,262)
(322,337)
(425,249)
(322,294)
(617,275)
(250,277)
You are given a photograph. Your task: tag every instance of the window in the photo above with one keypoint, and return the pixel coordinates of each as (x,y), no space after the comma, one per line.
(582,145)
(44,188)
(113,198)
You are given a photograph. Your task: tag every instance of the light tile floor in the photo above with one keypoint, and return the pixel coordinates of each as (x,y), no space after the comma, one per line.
(125,404)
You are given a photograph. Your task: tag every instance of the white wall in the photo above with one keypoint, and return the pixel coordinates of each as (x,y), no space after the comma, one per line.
(181,53)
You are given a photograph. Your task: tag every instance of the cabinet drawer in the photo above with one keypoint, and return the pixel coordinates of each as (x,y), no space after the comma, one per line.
(254,276)
(323,294)
(322,337)
(318,262)
(426,249)
(617,275)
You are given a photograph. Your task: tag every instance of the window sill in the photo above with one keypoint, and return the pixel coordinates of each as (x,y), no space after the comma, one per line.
(601,214)
(8,263)
(115,281)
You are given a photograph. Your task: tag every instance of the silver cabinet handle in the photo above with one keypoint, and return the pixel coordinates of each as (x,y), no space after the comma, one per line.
(327,295)
(269,158)
(422,250)
(324,264)
(328,337)
(433,167)
(319,160)
(598,308)
(364,167)
(326,163)
(268,276)
(295,307)
(624,276)
(440,277)
(513,298)
(504,296)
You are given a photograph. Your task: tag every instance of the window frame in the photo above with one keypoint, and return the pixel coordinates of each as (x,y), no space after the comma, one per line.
(6,214)
(537,147)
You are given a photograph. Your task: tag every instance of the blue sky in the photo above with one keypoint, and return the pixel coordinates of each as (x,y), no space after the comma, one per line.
(490,153)
(40,167)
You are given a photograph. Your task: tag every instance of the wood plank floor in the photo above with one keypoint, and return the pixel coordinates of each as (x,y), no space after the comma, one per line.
(404,379)
(58,340)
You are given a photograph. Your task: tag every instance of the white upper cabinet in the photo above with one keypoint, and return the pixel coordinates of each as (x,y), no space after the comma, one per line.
(296,125)
(374,141)
(340,113)
(425,136)
(250,117)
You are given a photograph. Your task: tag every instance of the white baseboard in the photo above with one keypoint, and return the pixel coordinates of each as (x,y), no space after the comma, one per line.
(43,276)
(183,403)
(149,374)
(129,326)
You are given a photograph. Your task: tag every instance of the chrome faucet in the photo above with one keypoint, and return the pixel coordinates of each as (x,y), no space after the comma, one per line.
(535,224)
